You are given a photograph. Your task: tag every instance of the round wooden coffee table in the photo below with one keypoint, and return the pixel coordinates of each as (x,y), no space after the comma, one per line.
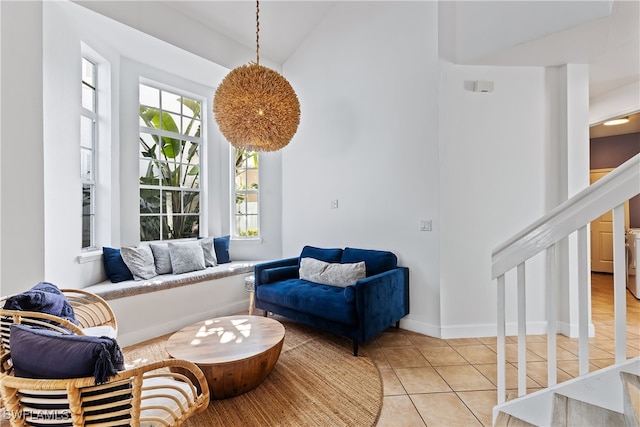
(236,353)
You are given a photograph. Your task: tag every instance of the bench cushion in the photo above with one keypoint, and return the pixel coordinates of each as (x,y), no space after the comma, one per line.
(111,291)
(327,302)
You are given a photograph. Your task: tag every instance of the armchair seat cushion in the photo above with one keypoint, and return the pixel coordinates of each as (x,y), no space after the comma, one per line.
(324,301)
(165,407)
(100,331)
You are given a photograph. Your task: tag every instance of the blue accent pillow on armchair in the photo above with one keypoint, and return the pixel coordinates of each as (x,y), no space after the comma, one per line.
(48,354)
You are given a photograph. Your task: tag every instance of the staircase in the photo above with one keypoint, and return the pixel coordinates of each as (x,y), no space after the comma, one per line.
(609,396)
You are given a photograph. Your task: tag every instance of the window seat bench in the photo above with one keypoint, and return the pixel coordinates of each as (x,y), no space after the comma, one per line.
(146,309)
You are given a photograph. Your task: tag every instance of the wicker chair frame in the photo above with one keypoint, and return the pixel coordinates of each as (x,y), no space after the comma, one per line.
(89,309)
(143,393)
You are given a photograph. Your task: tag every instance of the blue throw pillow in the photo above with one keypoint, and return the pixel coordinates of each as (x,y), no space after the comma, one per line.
(48,354)
(221,246)
(114,266)
(376,262)
(327,255)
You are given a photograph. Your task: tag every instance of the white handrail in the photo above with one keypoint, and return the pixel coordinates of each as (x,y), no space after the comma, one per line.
(612,190)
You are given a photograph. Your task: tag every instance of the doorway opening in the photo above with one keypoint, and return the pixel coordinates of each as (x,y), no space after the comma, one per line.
(611,146)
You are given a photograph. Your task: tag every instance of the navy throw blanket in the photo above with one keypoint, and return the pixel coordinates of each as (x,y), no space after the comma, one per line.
(43,298)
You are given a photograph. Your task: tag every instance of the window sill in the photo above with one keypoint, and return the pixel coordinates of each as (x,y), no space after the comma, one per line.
(255,240)
(90,256)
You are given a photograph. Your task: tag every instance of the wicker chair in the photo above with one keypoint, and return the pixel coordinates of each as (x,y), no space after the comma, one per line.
(147,395)
(94,316)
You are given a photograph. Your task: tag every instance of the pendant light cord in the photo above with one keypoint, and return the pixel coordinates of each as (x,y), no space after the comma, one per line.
(257,31)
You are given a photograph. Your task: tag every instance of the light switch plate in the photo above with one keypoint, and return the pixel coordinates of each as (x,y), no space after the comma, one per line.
(425,225)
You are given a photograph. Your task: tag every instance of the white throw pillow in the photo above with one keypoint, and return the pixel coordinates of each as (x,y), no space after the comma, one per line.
(333,274)
(140,262)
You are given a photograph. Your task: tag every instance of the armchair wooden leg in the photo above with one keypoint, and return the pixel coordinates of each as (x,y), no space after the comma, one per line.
(398,324)
(355,348)
(265,313)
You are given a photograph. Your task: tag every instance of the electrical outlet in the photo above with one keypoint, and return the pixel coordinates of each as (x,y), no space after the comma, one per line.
(425,225)
(334,204)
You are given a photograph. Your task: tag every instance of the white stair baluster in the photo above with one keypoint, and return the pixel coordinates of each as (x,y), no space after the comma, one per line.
(619,285)
(501,340)
(584,293)
(522,331)
(552,316)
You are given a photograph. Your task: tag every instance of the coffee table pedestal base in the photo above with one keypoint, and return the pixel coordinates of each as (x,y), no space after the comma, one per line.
(235,353)
(234,378)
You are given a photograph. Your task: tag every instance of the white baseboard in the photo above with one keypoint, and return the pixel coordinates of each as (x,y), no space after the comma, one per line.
(486,330)
(420,327)
(571,330)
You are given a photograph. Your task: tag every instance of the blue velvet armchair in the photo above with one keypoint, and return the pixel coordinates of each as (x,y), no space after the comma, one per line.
(358,311)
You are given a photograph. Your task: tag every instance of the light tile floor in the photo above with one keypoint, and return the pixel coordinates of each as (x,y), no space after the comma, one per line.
(434,382)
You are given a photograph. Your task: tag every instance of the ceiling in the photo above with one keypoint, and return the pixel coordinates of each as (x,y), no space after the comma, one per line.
(610,45)
(633,126)
(284,25)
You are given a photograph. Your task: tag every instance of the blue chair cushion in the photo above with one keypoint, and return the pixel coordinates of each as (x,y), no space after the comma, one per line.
(376,262)
(326,255)
(324,301)
(48,354)
(114,266)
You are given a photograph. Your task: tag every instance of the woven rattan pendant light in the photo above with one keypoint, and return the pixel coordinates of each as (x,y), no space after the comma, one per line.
(255,107)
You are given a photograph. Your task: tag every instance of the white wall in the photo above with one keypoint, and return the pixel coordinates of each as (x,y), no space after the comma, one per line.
(367,80)
(492,168)
(21,190)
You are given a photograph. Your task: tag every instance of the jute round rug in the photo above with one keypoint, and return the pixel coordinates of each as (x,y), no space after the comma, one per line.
(316,382)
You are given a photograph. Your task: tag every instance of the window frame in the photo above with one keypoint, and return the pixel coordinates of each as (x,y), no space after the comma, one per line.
(234,194)
(89,183)
(200,141)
